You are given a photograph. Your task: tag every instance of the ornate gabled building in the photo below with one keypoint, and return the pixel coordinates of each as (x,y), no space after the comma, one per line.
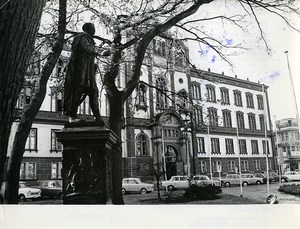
(179,120)
(288,144)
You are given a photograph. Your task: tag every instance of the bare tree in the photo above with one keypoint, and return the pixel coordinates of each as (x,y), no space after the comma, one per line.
(27,118)
(134,24)
(19,23)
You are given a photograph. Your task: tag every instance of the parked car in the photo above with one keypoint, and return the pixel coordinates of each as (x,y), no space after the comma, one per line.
(292,175)
(24,193)
(202,180)
(135,185)
(252,179)
(246,179)
(275,176)
(176,182)
(51,188)
(261,175)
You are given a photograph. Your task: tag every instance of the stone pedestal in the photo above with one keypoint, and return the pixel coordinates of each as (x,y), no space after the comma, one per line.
(86,160)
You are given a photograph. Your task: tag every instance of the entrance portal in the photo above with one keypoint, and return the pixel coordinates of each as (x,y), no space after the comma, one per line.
(171,155)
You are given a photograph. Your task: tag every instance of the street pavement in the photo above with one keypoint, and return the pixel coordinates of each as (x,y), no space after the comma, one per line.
(254,192)
(260,192)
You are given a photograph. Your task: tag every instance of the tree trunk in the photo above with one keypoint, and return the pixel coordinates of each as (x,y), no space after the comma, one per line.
(31,111)
(116,122)
(18,28)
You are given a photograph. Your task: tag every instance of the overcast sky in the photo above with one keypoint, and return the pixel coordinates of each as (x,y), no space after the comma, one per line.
(257,63)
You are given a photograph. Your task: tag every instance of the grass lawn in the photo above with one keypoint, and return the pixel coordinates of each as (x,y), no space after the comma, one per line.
(151,199)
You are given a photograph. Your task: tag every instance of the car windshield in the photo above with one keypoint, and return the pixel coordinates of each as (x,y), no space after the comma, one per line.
(22,185)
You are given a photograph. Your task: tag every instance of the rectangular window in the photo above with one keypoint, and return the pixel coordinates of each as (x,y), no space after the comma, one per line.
(244,166)
(262,122)
(196,91)
(249,99)
(229,146)
(216,164)
(254,146)
(243,146)
(257,165)
(240,120)
(215,146)
(213,117)
(231,166)
(28,170)
(31,143)
(200,145)
(198,120)
(238,98)
(224,96)
(22,171)
(269,164)
(260,102)
(227,118)
(211,93)
(252,122)
(55,145)
(264,147)
(56,170)
(203,166)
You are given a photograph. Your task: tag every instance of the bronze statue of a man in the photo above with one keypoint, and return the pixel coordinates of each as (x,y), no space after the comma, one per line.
(80,77)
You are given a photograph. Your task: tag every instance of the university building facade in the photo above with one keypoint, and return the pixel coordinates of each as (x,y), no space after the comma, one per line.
(178,121)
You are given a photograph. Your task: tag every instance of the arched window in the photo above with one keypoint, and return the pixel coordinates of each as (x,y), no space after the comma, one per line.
(142,145)
(161,98)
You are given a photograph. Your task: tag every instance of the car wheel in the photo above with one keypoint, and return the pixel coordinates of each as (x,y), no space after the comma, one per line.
(22,198)
(258,182)
(143,191)
(170,188)
(227,184)
(283,180)
(123,191)
(245,183)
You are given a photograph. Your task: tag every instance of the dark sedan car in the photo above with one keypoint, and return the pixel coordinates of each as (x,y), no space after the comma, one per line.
(51,188)
(276,177)
(261,175)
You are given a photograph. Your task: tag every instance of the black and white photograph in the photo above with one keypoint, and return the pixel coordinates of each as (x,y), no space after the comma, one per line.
(149,113)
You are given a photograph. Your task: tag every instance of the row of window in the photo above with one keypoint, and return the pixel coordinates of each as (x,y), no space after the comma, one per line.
(31,143)
(293,135)
(232,166)
(227,120)
(215,146)
(225,98)
(28,170)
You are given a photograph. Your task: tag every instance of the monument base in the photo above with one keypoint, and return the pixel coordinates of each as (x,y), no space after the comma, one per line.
(86,163)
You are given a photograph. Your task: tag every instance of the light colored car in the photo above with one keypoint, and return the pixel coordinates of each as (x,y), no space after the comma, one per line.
(246,179)
(176,182)
(28,192)
(135,185)
(292,175)
(202,180)
(24,192)
(251,179)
